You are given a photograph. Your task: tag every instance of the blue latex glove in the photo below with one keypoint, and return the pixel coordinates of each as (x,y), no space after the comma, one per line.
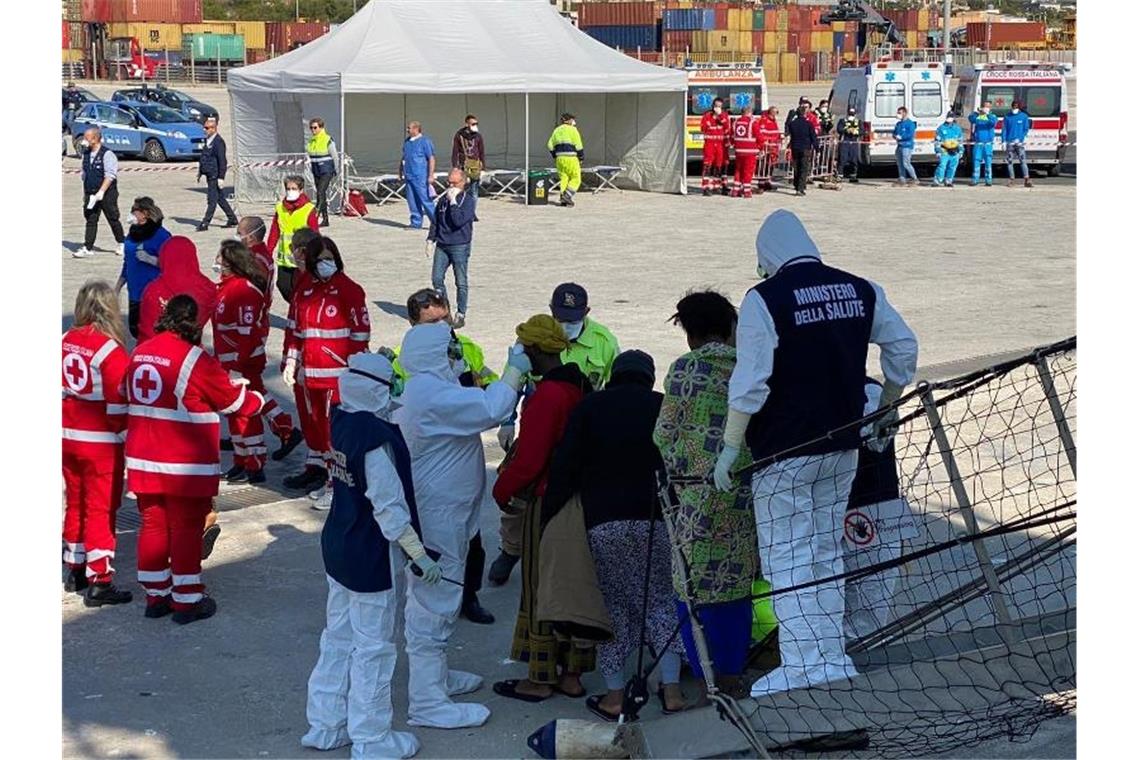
(722,475)
(517,358)
(431,572)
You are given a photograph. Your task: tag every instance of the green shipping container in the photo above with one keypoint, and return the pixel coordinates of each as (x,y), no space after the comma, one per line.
(758,19)
(209,48)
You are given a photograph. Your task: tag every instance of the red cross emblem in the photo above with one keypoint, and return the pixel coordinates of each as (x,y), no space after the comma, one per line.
(330,311)
(146,384)
(75,371)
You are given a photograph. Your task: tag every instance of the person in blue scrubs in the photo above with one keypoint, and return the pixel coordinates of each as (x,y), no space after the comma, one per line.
(417,167)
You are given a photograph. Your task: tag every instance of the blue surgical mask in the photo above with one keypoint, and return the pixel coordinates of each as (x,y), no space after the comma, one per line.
(573,329)
(326,269)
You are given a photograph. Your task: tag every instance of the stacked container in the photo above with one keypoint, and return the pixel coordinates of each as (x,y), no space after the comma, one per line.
(625,25)
(283,36)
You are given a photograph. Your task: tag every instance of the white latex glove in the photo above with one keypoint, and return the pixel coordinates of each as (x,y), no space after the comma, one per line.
(506,435)
(221,183)
(452,194)
(289,374)
(91,202)
(237,379)
(99,195)
(517,358)
(722,475)
(431,573)
(883,429)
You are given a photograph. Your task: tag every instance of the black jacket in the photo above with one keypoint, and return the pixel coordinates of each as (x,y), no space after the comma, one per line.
(608,456)
(802,134)
(212,163)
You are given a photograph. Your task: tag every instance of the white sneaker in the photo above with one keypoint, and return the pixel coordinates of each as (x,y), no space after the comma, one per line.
(460,320)
(119,250)
(324,503)
(82,253)
(320,492)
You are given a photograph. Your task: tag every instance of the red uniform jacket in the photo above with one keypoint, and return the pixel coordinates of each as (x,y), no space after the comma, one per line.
(275,231)
(238,320)
(330,324)
(542,423)
(746,135)
(268,268)
(715,127)
(770,134)
(94,404)
(813,117)
(176,392)
(179,273)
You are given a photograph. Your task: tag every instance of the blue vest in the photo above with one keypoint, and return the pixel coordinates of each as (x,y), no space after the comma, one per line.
(93,170)
(355,552)
(823,322)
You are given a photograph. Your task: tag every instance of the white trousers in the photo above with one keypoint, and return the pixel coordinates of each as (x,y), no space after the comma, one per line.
(429,620)
(800,503)
(870,600)
(350,689)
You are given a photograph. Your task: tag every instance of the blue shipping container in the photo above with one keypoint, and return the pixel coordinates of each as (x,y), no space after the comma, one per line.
(625,37)
(837,40)
(684,19)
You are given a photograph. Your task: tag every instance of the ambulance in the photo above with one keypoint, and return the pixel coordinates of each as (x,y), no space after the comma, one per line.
(1044,96)
(877,90)
(738,84)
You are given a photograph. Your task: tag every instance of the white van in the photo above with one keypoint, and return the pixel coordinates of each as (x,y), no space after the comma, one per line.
(877,90)
(1044,96)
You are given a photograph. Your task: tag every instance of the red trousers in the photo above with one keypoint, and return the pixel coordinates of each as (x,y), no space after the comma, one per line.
(170,548)
(94,489)
(314,407)
(248,433)
(745,168)
(714,160)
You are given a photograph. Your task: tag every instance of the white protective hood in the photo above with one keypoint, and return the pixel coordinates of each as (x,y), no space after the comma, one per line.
(781,238)
(424,351)
(361,393)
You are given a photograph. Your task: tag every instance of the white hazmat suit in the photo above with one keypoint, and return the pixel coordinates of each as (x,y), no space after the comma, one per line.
(441,422)
(800,501)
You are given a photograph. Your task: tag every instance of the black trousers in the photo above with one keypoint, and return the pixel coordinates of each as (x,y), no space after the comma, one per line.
(473,572)
(108,207)
(849,158)
(134,311)
(323,183)
(802,168)
(214,199)
(286,277)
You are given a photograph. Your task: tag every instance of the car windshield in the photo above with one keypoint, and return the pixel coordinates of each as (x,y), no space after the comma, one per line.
(176,97)
(161,115)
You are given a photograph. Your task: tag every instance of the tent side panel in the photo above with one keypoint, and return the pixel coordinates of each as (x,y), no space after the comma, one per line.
(375,131)
(655,163)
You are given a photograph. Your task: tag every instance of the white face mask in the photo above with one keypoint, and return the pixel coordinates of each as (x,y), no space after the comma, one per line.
(902,116)
(949,120)
(717,109)
(239,237)
(217,268)
(823,109)
(292,195)
(85,143)
(326,269)
(1015,110)
(763,275)
(139,220)
(474,127)
(573,329)
(985,110)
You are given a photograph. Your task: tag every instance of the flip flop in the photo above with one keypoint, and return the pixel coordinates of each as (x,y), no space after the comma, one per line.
(593,705)
(664,709)
(563,692)
(508,689)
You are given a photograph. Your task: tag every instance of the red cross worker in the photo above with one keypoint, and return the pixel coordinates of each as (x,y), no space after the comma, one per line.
(176,392)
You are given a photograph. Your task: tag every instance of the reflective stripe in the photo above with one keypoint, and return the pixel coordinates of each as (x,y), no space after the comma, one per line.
(97,554)
(73,547)
(362,337)
(259,351)
(154,576)
(187,580)
(184,374)
(116,408)
(318,372)
(254,439)
(74,558)
(164,591)
(171,468)
(239,329)
(187,598)
(175,415)
(343,332)
(228,357)
(92,396)
(255,450)
(97,368)
(236,404)
(90,436)
(294,353)
(90,571)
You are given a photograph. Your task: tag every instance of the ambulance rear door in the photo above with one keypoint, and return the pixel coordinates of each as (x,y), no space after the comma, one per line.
(927,104)
(1043,95)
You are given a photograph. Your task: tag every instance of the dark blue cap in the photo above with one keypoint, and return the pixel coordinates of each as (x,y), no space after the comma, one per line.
(569,302)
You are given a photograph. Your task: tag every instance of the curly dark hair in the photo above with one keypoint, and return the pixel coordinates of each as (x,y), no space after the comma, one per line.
(240,261)
(181,318)
(706,314)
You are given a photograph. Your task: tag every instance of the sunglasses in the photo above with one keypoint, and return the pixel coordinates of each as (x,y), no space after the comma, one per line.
(314,127)
(428,297)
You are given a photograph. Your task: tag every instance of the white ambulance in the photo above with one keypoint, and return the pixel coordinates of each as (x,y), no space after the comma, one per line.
(738,84)
(1044,96)
(877,90)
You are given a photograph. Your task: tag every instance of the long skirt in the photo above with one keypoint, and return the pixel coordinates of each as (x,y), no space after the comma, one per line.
(535,643)
(619,549)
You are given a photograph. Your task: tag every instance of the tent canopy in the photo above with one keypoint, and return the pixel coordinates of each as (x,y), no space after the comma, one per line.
(515,63)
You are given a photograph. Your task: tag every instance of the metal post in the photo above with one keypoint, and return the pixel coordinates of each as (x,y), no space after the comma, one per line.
(343,173)
(193,79)
(966,510)
(219,51)
(946,27)
(166,54)
(1058,412)
(684,143)
(142,61)
(526,149)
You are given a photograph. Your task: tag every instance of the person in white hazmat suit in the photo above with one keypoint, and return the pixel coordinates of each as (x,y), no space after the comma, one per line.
(801,343)
(371,526)
(441,421)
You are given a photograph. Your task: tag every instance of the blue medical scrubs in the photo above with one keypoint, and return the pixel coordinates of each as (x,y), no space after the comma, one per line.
(416,155)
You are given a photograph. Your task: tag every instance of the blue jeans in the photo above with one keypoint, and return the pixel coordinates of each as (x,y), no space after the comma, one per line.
(473,191)
(456,257)
(984,152)
(947,166)
(1013,153)
(902,159)
(419,202)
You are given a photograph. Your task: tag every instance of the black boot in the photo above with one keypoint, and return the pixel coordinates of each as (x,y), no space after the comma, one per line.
(474,611)
(706,192)
(287,446)
(324,220)
(230,223)
(75,579)
(205,608)
(209,538)
(158,609)
(233,472)
(99,594)
(310,479)
(501,568)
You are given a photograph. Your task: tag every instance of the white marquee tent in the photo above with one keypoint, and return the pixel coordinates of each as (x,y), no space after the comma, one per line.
(516,64)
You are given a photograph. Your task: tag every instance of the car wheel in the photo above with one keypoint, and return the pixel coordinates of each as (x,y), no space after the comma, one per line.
(78,144)
(154,152)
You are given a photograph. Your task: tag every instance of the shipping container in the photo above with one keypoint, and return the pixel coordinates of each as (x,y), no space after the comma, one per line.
(73,10)
(771,68)
(996,34)
(681,19)
(758,19)
(923,19)
(781,20)
(97,11)
(700,43)
(256,56)
(721,11)
(157,11)
(821,42)
(758,40)
(616,14)
(775,42)
(72,56)
(66,35)
(209,48)
(625,37)
(789,67)
(838,40)
(210,27)
(912,39)
(283,36)
(677,40)
(807,67)
(253,32)
(794,41)
(150,36)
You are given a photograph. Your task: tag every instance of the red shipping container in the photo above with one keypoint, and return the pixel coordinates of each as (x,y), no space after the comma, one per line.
(770,20)
(807,67)
(96,10)
(799,19)
(677,40)
(997,33)
(758,40)
(157,11)
(66,35)
(617,14)
(793,45)
(721,13)
(283,36)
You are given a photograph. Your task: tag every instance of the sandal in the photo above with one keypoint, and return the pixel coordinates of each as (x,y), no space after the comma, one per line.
(593,704)
(664,709)
(508,688)
(559,690)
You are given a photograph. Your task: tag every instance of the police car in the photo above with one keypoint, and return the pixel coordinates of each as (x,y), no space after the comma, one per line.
(152,131)
(194,110)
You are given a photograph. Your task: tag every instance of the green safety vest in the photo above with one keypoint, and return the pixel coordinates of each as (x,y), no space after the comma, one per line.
(565,141)
(594,352)
(472,357)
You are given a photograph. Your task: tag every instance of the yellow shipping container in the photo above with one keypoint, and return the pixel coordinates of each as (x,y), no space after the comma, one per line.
(789,67)
(923,19)
(72,56)
(838,26)
(150,36)
(254,33)
(734,19)
(821,42)
(774,42)
(745,37)
(912,39)
(722,39)
(700,41)
(209,27)
(771,68)
(782,20)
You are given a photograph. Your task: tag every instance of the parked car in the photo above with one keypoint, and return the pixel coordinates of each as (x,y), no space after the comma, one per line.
(72,102)
(194,110)
(150,130)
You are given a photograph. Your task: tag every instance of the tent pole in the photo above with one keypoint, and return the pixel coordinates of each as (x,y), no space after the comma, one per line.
(526,149)
(684,144)
(343,174)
